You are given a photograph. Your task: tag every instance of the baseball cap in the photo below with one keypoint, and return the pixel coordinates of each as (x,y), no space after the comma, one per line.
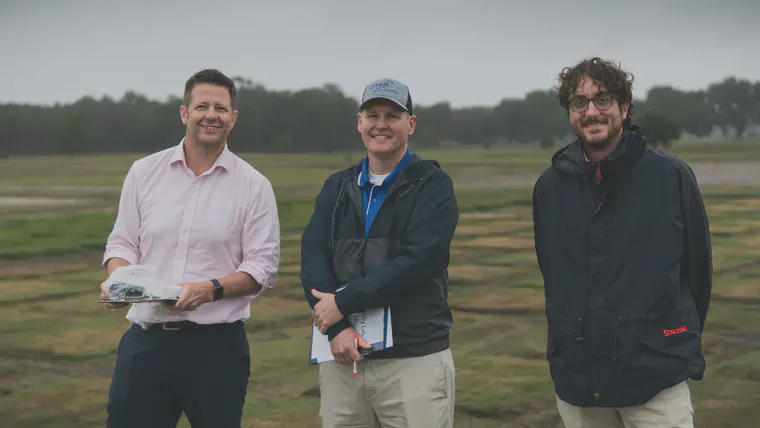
(388,89)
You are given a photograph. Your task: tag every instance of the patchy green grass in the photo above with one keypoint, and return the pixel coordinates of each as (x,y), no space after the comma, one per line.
(55,338)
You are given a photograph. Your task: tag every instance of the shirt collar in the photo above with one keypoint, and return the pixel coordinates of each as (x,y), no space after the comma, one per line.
(364,174)
(224,160)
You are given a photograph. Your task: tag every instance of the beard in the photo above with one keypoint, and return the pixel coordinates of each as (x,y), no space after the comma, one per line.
(599,132)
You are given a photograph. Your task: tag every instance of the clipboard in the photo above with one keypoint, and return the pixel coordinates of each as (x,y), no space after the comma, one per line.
(373,325)
(137,296)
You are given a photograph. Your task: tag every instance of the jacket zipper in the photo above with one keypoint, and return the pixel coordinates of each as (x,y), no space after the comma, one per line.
(614,344)
(335,209)
(580,337)
(362,248)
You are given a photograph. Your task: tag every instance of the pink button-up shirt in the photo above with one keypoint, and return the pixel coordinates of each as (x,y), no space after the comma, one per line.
(197,228)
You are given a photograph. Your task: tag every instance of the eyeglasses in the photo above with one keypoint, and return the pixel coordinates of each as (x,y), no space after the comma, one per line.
(602,102)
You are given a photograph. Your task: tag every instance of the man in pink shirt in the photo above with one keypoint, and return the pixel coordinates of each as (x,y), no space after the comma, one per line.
(207,221)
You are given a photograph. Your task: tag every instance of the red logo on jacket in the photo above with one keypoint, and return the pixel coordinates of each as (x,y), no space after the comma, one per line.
(678,330)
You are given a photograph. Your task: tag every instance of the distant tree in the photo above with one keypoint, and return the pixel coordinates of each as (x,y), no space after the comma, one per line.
(547,142)
(692,111)
(756,103)
(537,117)
(658,128)
(433,124)
(323,119)
(73,137)
(733,99)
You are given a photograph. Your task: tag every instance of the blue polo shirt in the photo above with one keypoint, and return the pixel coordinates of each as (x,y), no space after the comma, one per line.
(373,195)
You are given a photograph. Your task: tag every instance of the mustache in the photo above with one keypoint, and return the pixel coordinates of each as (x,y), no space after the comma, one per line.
(602,121)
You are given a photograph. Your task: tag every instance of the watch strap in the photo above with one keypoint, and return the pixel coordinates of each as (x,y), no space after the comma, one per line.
(218,290)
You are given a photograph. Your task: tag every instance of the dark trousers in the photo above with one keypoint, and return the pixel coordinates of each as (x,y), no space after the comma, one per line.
(201,370)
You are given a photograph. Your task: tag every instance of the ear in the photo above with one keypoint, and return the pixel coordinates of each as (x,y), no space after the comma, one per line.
(359,122)
(624,111)
(234,118)
(412,124)
(183,114)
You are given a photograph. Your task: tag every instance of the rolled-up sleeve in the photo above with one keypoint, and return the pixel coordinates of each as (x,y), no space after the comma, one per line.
(124,240)
(261,237)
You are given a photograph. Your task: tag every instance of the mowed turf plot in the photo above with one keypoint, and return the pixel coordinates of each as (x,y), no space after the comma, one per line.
(58,346)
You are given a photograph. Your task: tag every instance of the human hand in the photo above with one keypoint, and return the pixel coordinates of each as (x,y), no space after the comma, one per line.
(193,295)
(342,347)
(326,313)
(104,296)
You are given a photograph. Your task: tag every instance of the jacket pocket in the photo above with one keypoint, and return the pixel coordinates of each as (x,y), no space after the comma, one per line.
(665,345)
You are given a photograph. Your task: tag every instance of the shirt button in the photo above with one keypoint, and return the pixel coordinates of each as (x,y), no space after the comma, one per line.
(374,200)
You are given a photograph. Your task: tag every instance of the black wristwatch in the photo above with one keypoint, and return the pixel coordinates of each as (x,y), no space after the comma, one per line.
(218,290)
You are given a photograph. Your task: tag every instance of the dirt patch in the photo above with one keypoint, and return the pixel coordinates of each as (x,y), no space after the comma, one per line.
(736,300)
(58,189)
(735,267)
(754,375)
(312,392)
(516,299)
(494,227)
(503,242)
(733,173)
(740,291)
(40,269)
(541,414)
(33,201)
(498,311)
(44,298)
(479,272)
(729,345)
(49,265)
(39,361)
(727,173)
(83,341)
(491,215)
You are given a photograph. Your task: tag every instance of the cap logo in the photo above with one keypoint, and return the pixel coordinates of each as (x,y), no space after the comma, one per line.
(384,87)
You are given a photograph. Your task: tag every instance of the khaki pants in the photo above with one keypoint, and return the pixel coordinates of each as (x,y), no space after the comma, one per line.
(671,408)
(413,392)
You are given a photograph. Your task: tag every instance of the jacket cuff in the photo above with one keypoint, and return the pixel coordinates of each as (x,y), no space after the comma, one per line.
(335,329)
(345,300)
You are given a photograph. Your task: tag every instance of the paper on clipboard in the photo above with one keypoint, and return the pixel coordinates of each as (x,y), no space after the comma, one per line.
(373,325)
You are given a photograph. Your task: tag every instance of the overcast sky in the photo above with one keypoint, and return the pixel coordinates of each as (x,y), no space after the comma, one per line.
(467,52)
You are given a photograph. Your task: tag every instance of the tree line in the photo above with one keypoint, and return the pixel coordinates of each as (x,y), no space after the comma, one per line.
(322,119)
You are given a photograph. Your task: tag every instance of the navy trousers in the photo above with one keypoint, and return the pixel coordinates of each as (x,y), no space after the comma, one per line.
(201,370)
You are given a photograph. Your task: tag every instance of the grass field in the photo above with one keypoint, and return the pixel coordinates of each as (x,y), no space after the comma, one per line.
(57,345)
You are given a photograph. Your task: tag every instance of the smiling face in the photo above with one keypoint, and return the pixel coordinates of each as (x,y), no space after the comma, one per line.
(601,123)
(209,116)
(385,128)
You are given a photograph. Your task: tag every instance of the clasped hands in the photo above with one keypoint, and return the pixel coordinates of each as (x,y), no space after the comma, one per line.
(325,313)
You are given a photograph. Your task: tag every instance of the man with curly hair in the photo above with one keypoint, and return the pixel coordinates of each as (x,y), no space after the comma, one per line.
(623,244)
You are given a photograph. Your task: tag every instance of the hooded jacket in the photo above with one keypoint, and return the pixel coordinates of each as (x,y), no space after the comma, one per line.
(627,269)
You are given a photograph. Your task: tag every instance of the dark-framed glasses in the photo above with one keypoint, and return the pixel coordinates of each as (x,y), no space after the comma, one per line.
(579,103)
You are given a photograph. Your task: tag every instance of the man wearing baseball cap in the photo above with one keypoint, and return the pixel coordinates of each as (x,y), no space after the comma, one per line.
(380,236)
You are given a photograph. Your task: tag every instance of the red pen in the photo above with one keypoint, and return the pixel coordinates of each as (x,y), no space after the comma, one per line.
(356,346)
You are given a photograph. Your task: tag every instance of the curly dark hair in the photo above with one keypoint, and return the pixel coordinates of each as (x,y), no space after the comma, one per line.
(211,76)
(605,74)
